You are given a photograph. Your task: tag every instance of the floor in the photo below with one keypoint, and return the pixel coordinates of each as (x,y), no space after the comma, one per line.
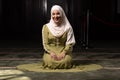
(107,56)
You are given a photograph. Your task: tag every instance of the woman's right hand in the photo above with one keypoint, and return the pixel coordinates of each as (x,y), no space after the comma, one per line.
(53,55)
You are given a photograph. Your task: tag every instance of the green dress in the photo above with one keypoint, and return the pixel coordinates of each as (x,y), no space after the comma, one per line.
(57,45)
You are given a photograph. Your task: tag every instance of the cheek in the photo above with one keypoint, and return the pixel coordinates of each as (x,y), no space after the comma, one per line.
(56,16)
(59,16)
(53,17)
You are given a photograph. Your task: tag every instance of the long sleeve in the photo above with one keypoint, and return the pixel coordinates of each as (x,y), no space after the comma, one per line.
(70,41)
(45,39)
(68,48)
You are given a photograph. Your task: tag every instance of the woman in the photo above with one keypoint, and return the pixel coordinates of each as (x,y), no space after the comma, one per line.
(58,40)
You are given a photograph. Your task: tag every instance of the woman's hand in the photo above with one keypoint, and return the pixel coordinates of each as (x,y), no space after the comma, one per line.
(53,55)
(61,56)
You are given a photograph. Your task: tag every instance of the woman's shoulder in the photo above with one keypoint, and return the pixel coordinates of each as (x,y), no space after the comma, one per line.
(45,26)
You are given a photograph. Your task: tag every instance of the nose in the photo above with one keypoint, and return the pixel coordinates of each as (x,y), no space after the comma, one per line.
(55,16)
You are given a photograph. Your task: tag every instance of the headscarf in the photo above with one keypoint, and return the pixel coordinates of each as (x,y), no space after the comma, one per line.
(65,26)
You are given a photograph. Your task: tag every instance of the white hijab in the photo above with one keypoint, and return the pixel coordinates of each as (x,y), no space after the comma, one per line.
(65,26)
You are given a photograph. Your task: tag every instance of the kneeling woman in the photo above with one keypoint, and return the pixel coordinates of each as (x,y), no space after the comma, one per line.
(58,40)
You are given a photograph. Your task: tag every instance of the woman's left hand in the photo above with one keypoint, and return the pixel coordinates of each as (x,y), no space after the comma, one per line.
(61,56)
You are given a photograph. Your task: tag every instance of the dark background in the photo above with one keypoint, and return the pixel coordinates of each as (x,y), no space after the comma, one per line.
(21,21)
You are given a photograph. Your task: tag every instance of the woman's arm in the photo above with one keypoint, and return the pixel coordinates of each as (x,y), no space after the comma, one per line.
(45,42)
(45,38)
(70,41)
(68,47)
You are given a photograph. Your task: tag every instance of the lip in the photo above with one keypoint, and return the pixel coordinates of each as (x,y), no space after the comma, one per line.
(57,19)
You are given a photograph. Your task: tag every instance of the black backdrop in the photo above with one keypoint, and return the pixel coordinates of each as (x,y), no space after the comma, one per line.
(22,20)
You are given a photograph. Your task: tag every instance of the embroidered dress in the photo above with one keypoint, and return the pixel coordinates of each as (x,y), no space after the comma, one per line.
(57,45)
(58,39)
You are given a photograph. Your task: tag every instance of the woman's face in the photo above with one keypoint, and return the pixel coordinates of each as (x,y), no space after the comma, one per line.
(57,18)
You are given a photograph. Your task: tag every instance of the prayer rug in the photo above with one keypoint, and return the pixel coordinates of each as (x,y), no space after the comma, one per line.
(37,67)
